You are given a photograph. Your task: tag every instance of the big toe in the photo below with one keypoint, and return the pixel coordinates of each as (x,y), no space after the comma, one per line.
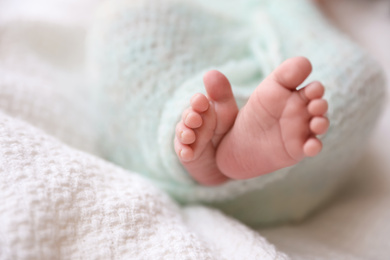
(292,72)
(217,86)
(220,93)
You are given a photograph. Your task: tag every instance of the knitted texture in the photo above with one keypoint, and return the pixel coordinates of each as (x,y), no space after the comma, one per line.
(59,203)
(148,58)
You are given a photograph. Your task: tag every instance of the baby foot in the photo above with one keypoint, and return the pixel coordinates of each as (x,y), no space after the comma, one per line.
(275,129)
(202,127)
(278,125)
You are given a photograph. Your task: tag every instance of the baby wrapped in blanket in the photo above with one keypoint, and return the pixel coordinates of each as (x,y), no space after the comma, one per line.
(249,154)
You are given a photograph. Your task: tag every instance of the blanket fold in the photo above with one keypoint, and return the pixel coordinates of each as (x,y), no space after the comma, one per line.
(60,203)
(147,59)
(60,200)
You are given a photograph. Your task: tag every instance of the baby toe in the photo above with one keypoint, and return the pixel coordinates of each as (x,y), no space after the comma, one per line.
(183,151)
(314,90)
(319,125)
(291,73)
(192,119)
(317,107)
(184,134)
(312,147)
(199,103)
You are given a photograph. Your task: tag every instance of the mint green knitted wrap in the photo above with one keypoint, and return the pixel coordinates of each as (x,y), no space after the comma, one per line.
(148,58)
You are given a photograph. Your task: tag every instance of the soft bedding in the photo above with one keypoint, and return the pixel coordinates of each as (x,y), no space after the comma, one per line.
(59,200)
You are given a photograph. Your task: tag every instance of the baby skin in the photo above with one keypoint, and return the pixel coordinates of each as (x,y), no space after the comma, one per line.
(276,128)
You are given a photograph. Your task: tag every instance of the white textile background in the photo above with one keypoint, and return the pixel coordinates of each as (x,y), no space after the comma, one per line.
(354,226)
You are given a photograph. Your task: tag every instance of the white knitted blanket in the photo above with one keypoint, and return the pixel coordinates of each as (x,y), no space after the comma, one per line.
(58,200)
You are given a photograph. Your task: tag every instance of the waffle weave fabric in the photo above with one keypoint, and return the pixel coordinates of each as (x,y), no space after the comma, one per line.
(58,202)
(148,57)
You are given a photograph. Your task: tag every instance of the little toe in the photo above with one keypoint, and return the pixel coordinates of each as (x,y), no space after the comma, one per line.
(192,119)
(317,107)
(319,125)
(183,151)
(314,90)
(312,147)
(205,133)
(199,103)
(184,134)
